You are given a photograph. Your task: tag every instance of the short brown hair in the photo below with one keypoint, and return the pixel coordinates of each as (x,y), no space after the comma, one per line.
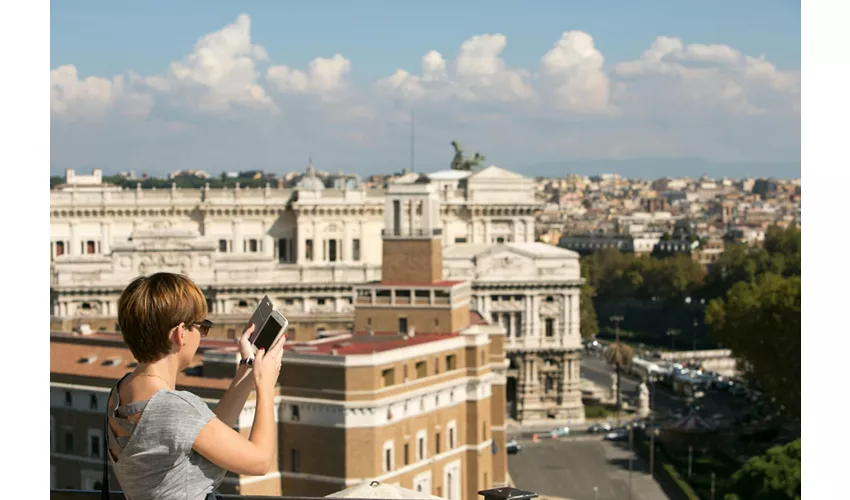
(151,306)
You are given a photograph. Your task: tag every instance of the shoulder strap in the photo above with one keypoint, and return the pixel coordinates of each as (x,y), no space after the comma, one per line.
(104,484)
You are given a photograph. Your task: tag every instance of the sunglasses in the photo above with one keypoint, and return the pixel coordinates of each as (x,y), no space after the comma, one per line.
(204,327)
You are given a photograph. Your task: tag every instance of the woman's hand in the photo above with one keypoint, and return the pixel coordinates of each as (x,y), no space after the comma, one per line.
(267,365)
(246,348)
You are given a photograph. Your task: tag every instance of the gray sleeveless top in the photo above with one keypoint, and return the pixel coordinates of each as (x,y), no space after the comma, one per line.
(156,460)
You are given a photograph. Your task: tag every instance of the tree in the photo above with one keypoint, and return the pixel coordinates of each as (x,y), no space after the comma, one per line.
(620,356)
(774,475)
(589,325)
(466,164)
(760,322)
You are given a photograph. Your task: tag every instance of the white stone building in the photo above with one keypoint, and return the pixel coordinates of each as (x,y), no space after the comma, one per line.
(306,247)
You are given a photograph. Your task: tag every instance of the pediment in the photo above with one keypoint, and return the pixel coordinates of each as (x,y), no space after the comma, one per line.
(494,173)
(506,263)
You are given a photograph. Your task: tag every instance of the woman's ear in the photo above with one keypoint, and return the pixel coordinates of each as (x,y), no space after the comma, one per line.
(177,335)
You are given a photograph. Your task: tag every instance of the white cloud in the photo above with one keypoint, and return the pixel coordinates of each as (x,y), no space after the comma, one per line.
(480,74)
(572,72)
(221,71)
(707,76)
(324,77)
(93,98)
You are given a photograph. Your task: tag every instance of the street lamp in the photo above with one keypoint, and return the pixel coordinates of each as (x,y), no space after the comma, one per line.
(652,435)
(688,301)
(672,332)
(616,319)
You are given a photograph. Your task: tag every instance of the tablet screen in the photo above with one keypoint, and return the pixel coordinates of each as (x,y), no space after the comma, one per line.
(267,335)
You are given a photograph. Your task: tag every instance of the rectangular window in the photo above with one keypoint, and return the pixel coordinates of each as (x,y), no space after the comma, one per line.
(253,245)
(90,247)
(308,249)
(283,250)
(295,461)
(68,400)
(332,250)
(460,240)
(437,442)
(422,296)
(388,459)
(402,325)
(69,442)
(93,402)
(406,454)
(95,446)
(421,369)
(451,437)
(355,249)
(518,325)
(388,376)
(60,248)
(420,449)
(550,327)
(451,362)
(295,414)
(222,246)
(396,217)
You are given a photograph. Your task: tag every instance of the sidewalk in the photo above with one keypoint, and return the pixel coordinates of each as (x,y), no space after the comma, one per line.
(514,427)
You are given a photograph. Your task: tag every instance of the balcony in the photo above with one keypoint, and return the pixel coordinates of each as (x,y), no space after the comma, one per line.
(392,492)
(408,233)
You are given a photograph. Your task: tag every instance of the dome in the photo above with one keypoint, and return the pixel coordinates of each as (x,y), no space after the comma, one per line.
(309,181)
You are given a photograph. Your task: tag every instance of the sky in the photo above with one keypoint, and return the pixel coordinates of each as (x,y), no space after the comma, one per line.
(541,87)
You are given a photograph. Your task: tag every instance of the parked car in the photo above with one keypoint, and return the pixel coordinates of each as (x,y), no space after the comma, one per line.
(617,435)
(513,447)
(597,428)
(559,432)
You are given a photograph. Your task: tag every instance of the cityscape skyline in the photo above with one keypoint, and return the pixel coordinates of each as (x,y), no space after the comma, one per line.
(677,92)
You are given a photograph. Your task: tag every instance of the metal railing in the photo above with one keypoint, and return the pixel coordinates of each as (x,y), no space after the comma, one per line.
(505,493)
(410,233)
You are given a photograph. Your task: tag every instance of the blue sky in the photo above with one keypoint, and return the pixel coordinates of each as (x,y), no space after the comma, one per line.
(375,38)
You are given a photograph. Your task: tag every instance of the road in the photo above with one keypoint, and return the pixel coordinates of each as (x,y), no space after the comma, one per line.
(665,402)
(573,469)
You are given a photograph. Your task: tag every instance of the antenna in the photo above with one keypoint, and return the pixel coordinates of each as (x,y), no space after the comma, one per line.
(412,143)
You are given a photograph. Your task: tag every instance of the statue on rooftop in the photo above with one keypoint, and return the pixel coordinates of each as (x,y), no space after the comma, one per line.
(465,164)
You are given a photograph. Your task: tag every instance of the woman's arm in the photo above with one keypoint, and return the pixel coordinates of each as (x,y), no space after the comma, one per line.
(228,449)
(233,400)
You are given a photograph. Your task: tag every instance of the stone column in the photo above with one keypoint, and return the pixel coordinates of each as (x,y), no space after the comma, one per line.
(566,376)
(346,250)
(238,244)
(73,243)
(576,322)
(106,238)
(535,315)
(318,244)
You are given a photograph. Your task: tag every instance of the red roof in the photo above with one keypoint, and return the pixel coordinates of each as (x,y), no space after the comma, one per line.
(366,344)
(475,318)
(435,284)
(118,339)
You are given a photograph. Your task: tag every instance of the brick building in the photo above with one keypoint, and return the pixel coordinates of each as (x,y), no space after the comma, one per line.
(414,395)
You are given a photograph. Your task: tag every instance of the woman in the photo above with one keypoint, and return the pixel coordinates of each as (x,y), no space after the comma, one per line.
(167,444)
